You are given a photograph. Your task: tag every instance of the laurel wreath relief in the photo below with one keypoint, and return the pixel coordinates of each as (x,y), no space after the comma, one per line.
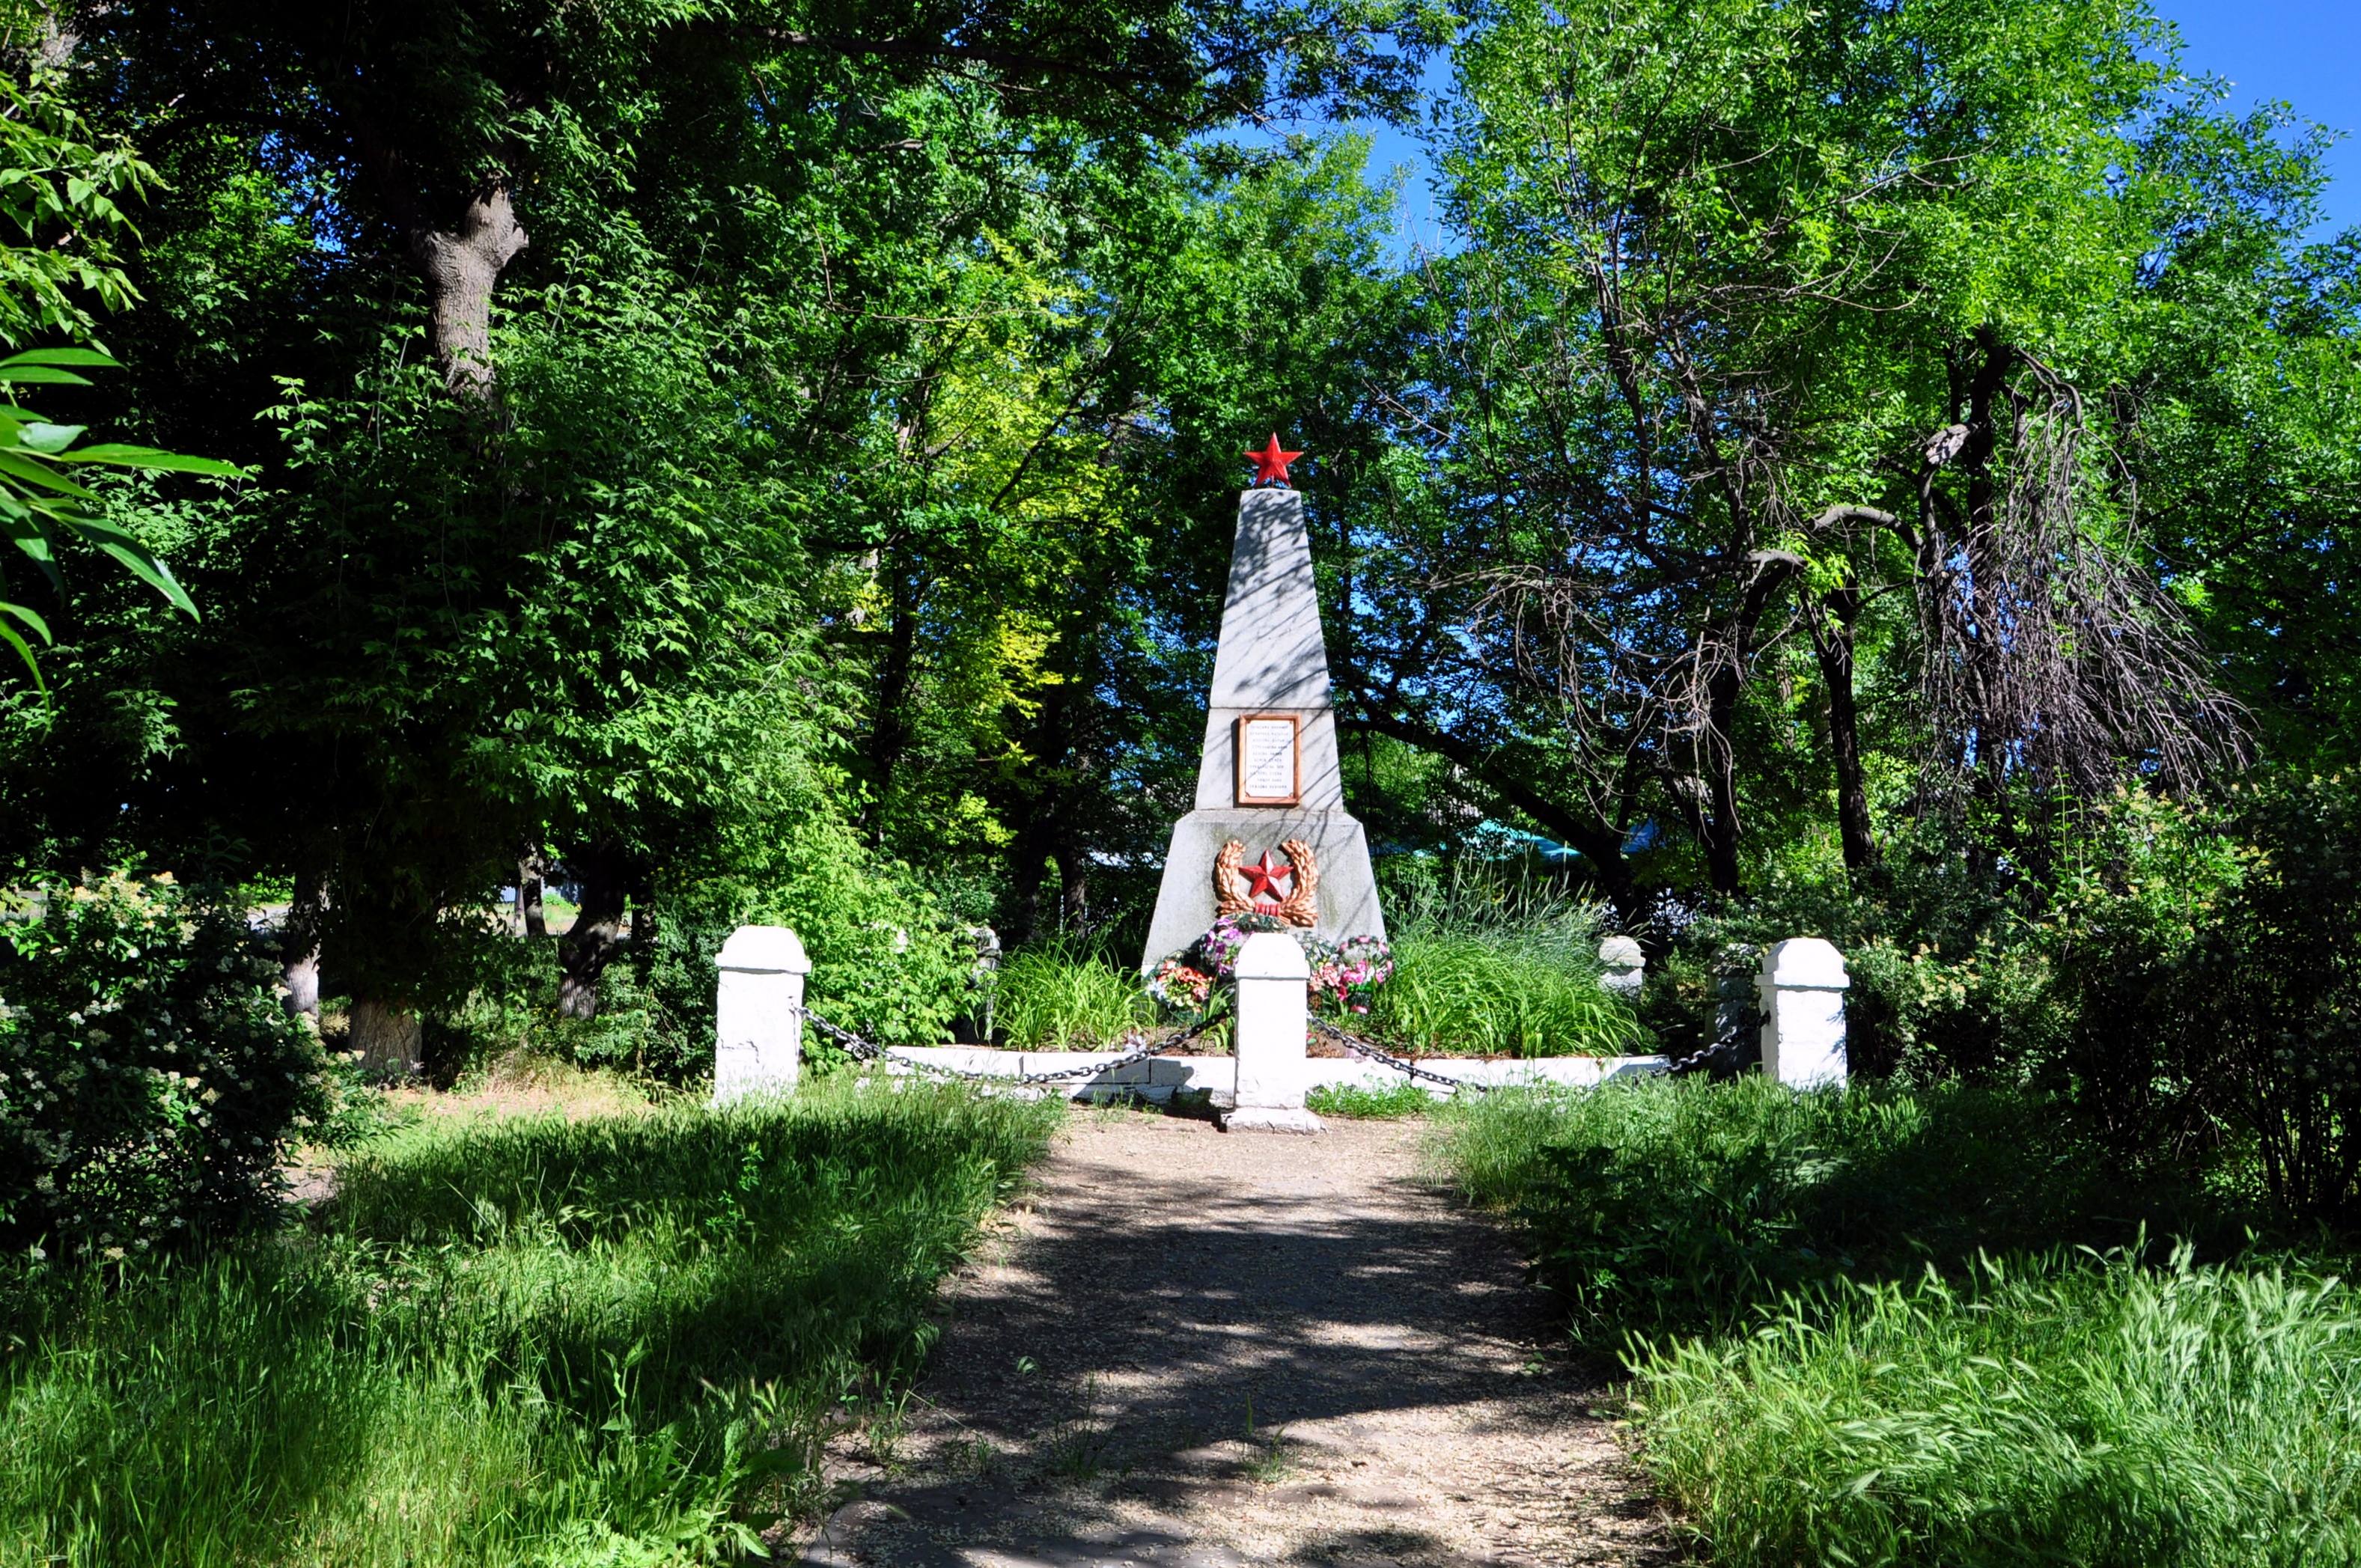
(1301,906)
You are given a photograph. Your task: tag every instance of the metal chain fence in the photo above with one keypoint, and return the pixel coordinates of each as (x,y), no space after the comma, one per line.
(869,1050)
(1360,1046)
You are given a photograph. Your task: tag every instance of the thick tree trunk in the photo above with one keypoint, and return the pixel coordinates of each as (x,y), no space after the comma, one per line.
(1832,641)
(299,947)
(1029,862)
(389,1037)
(1987,400)
(532,866)
(584,953)
(459,261)
(460,264)
(889,733)
(1073,886)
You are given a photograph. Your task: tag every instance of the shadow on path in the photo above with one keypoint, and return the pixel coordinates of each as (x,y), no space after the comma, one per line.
(1194,1349)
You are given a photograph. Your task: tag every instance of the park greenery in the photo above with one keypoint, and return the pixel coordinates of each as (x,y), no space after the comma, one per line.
(615,1339)
(1881,1324)
(509,493)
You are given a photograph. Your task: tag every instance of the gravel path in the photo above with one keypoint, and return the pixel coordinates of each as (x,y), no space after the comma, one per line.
(1188,1349)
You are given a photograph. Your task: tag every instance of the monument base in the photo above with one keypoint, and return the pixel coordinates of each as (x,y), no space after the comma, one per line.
(1264,1119)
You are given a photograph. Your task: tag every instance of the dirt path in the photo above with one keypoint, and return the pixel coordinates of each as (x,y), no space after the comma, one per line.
(1190,1350)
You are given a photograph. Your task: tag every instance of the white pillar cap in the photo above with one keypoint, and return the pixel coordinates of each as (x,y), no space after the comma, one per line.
(763,949)
(1271,955)
(1804,963)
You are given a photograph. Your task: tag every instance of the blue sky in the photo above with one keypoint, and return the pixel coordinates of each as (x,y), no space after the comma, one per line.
(2305,52)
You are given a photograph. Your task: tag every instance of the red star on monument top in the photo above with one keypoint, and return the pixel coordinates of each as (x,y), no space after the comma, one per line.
(1271,463)
(1262,873)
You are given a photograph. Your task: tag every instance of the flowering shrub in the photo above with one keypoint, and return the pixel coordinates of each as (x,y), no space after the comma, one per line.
(1216,952)
(1344,974)
(1177,986)
(149,1079)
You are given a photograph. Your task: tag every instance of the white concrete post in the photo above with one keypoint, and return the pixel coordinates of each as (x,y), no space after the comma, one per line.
(1622,968)
(1274,1005)
(759,1035)
(1802,990)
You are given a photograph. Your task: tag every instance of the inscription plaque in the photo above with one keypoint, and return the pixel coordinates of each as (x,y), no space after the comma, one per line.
(1268,753)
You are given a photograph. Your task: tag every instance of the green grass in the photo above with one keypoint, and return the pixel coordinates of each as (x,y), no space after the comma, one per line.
(1393,1103)
(1683,1206)
(1511,992)
(611,1341)
(1059,997)
(2114,1415)
(1878,1325)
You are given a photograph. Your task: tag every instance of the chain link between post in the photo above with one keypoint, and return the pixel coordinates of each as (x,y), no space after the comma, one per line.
(869,1050)
(1360,1046)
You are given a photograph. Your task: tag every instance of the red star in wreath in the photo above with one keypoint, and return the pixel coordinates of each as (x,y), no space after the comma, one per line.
(1259,877)
(1271,463)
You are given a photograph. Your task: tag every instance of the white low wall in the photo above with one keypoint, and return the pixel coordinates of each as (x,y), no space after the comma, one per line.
(1157,1078)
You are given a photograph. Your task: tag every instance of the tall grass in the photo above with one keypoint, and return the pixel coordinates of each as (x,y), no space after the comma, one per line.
(2102,1416)
(1061,996)
(1682,1205)
(1862,1333)
(1486,994)
(1485,966)
(614,1341)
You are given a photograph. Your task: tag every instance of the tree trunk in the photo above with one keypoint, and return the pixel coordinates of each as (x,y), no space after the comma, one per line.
(1028,864)
(461,265)
(532,865)
(299,945)
(389,1037)
(1832,641)
(584,953)
(889,735)
(1715,817)
(1718,823)
(459,262)
(1073,886)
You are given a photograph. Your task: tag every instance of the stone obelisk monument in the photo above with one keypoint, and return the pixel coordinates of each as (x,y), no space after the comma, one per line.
(1269,832)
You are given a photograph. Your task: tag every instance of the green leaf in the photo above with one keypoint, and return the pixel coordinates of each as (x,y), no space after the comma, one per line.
(36,373)
(51,439)
(8,635)
(152,458)
(64,355)
(25,614)
(33,471)
(143,562)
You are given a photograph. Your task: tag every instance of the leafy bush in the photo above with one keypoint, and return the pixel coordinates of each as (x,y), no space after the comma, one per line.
(887,963)
(610,1341)
(2212,960)
(1064,997)
(149,1079)
(1951,972)
(2115,1415)
(1680,1205)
